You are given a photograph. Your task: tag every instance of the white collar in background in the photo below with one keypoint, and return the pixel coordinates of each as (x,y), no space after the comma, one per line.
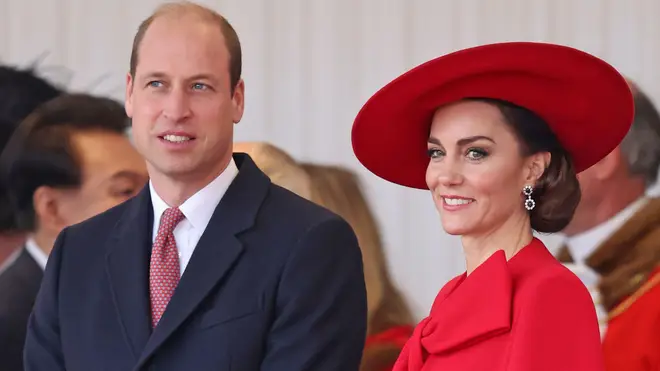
(37,254)
(582,245)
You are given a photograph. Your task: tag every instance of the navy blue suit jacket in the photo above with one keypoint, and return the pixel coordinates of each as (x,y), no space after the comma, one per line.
(19,285)
(275,284)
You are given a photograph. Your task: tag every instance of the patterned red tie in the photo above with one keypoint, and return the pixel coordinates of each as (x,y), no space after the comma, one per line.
(164,270)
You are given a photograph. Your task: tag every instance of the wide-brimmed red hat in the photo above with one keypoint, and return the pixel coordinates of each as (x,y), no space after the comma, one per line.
(584,100)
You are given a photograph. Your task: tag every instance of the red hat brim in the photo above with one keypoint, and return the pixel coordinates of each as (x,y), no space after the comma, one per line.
(585,101)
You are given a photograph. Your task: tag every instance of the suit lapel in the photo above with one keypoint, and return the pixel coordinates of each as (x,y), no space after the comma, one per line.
(216,253)
(127,268)
(31,273)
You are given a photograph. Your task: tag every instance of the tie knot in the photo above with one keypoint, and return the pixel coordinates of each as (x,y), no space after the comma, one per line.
(169,220)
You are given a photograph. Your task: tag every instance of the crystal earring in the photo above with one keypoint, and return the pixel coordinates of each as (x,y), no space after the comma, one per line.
(529,203)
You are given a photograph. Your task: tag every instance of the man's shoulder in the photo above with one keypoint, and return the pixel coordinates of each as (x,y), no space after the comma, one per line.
(282,205)
(22,269)
(286,219)
(10,281)
(643,304)
(294,230)
(100,224)
(19,284)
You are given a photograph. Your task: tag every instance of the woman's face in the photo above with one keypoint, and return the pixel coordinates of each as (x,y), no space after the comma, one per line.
(476,171)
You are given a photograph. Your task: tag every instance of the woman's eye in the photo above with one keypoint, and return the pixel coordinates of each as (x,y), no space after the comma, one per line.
(434,153)
(476,154)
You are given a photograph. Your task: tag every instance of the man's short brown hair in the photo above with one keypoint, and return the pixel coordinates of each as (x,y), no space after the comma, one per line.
(185,7)
(41,151)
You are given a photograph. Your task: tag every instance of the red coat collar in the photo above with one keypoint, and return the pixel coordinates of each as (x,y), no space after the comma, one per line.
(472,308)
(469,309)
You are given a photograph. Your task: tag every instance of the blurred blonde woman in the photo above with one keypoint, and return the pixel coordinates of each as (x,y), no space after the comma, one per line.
(389,320)
(280,167)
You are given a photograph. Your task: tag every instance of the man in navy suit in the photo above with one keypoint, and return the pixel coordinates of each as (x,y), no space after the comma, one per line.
(211,266)
(69,160)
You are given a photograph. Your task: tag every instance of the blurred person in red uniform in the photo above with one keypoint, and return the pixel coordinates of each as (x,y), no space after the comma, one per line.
(497,134)
(615,237)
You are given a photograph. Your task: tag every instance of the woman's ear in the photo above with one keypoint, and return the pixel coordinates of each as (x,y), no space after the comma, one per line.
(537,164)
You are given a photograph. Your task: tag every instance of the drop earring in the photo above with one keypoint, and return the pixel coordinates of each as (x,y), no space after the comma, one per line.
(529,203)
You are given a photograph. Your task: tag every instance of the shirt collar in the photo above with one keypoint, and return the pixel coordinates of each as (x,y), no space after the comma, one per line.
(582,245)
(10,260)
(199,208)
(36,252)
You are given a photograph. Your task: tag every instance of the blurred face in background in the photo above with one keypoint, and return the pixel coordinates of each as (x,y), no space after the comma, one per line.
(112,172)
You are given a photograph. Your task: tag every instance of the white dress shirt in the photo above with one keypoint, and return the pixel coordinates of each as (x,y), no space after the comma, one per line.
(36,253)
(197,210)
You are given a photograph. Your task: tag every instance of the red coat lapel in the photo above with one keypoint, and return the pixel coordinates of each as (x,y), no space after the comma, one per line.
(474,309)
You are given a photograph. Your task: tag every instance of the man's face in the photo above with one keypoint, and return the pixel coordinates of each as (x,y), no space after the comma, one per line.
(180,99)
(112,172)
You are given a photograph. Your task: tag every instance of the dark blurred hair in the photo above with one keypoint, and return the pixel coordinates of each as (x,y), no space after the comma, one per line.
(557,193)
(641,146)
(21,91)
(40,151)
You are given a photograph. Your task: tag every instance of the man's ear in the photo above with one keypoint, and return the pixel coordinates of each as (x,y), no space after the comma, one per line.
(238,101)
(47,208)
(128,100)
(608,165)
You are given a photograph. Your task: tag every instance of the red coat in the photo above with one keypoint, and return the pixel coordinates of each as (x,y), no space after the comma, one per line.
(632,340)
(527,314)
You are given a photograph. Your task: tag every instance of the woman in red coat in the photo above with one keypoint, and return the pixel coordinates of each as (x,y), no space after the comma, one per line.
(497,133)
